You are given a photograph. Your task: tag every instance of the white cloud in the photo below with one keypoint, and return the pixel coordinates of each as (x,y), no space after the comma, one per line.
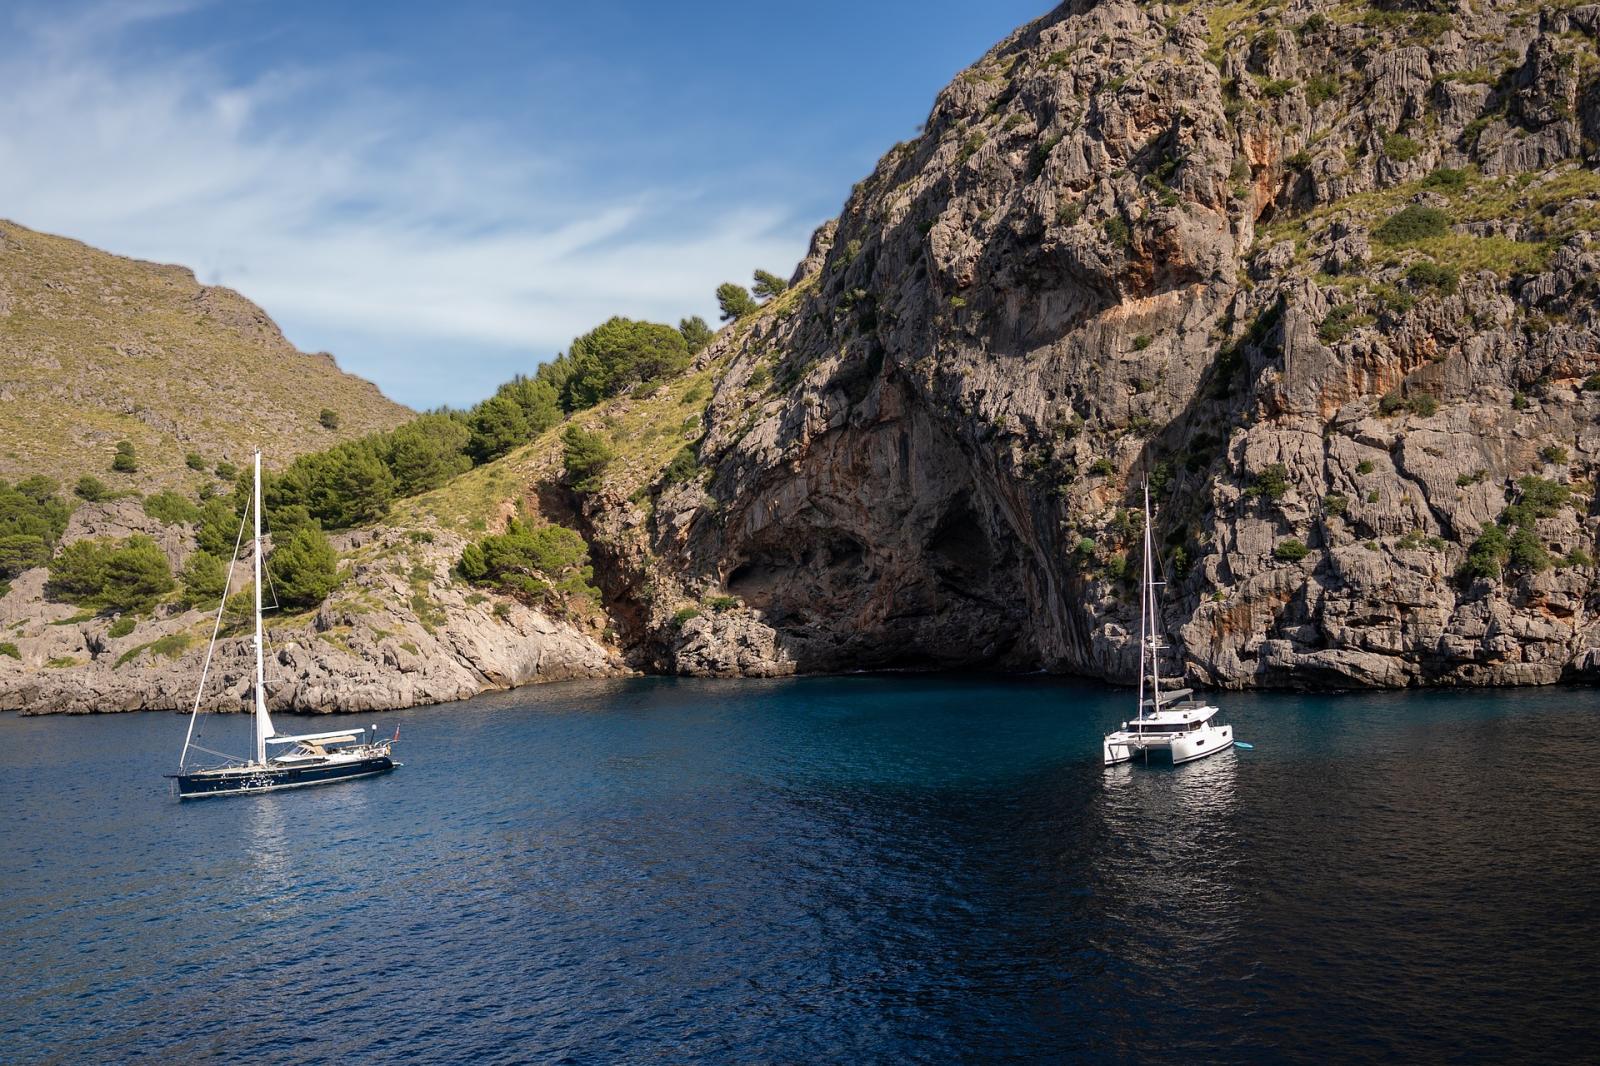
(351,216)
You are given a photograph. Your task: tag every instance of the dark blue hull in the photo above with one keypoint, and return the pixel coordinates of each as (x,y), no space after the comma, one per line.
(244,780)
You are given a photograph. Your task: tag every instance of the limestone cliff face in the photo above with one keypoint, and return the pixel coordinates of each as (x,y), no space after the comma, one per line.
(1137,243)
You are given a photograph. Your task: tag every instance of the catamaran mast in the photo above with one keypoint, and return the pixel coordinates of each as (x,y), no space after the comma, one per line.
(262,728)
(1144,628)
(1150,609)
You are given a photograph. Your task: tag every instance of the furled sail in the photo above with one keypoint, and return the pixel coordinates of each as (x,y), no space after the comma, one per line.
(263,721)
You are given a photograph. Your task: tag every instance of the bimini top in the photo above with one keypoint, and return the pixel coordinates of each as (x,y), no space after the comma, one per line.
(1184,714)
(344,736)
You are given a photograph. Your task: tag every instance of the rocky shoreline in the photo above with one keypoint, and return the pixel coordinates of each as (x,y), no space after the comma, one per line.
(369,648)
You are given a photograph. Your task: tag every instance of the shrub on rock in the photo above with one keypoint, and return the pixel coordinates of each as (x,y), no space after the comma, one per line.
(1412,224)
(1290,551)
(533,562)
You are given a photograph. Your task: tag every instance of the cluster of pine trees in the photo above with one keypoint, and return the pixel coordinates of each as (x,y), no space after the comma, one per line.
(548,564)
(32,519)
(355,482)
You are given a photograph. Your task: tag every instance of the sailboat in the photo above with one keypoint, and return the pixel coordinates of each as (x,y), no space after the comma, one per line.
(1170,722)
(301,760)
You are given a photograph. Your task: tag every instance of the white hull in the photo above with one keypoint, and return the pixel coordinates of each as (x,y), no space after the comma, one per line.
(1123,746)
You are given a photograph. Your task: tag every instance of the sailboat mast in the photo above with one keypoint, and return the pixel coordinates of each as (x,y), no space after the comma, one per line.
(1144,629)
(1150,584)
(261,726)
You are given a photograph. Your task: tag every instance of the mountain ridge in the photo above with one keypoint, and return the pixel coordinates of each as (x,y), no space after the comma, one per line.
(100,348)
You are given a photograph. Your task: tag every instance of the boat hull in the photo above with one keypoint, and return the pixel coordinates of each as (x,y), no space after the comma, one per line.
(1177,749)
(1202,743)
(248,780)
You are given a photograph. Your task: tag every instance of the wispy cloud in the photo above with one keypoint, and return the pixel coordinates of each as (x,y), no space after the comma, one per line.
(352,215)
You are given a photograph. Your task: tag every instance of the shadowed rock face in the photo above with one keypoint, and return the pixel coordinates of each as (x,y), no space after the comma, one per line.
(1137,243)
(881,550)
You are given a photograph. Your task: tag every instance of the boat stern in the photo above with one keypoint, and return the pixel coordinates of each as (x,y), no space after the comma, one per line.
(1118,748)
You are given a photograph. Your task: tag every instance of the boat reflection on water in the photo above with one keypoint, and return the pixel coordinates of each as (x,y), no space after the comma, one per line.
(272,857)
(1170,792)
(1161,876)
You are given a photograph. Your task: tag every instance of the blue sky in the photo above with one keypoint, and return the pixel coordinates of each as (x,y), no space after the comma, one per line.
(443,195)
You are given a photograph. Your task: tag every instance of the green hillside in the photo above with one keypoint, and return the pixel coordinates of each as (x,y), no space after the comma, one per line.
(98,349)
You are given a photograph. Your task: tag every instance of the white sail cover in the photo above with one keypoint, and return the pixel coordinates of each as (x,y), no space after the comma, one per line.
(343,734)
(263,720)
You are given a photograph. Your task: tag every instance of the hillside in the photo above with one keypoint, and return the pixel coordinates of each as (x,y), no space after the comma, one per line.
(1321,275)
(97,349)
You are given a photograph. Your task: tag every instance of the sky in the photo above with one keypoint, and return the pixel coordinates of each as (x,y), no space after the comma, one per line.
(444,195)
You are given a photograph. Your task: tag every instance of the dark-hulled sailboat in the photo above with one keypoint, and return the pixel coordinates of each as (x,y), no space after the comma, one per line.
(305,759)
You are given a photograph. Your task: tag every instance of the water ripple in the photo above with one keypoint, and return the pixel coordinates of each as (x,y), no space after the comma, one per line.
(857,869)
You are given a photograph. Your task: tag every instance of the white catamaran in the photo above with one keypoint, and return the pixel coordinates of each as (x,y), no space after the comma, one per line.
(1170,722)
(307,759)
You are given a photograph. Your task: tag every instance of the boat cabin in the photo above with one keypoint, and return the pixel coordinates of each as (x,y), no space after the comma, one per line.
(1183,718)
(312,745)
(1161,727)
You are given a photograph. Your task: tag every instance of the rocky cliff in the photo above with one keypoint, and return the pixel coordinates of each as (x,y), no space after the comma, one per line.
(1320,273)
(399,631)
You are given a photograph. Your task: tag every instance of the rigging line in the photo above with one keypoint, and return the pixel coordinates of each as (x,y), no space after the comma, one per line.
(267,569)
(218,754)
(211,648)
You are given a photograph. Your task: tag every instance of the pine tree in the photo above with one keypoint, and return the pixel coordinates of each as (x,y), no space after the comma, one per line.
(768,285)
(619,354)
(735,301)
(100,573)
(204,578)
(696,334)
(428,451)
(585,455)
(498,424)
(305,568)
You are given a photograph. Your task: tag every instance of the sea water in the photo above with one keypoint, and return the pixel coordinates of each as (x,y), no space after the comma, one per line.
(858,869)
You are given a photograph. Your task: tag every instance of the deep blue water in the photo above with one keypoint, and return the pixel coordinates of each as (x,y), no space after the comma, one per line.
(859,869)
